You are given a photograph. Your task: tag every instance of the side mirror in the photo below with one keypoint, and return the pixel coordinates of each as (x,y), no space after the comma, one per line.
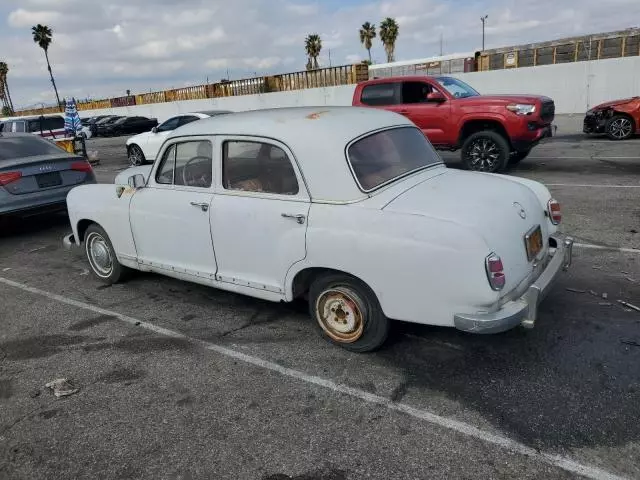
(154,130)
(436,97)
(137,181)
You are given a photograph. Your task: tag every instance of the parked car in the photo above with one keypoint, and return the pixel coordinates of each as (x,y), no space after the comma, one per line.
(351,208)
(619,119)
(36,174)
(491,131)
(101,124)
(128,125)
(143,148)
(44,125)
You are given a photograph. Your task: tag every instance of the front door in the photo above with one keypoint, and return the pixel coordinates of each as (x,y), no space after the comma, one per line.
(259,214)
(433,118)
(155,139)
(170,216)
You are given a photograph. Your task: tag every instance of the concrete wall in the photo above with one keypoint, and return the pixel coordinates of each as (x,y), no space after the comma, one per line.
(575,87)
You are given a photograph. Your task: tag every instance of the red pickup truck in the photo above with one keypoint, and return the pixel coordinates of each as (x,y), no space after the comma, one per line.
(492,131)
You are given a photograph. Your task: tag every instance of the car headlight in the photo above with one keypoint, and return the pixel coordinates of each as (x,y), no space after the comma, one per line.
(521,108)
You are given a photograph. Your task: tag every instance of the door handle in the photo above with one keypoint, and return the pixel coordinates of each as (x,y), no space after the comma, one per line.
(299,218)
(203,206)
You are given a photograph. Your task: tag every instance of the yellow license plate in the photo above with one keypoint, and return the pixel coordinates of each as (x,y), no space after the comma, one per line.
(533,242)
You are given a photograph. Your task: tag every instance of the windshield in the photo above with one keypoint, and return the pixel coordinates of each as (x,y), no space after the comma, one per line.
(27,146)
(456,87)
(387,155)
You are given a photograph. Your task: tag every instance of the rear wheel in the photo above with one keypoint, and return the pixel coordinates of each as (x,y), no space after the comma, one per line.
(136,156)
(619,127)
(485,151)
(348,313)
(102,257)
(517,157)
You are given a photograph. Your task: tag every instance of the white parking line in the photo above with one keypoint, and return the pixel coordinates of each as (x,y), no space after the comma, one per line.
(589,246)
(469,430)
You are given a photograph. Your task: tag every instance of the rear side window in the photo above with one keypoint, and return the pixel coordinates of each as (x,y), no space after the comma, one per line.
(27,146)
(379,94)
(48,123)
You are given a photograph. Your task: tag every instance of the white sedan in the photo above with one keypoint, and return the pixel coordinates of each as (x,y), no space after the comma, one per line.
(143,148)
(350,208)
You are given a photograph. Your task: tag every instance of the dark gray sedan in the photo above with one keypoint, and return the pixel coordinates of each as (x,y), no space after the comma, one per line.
(36,174)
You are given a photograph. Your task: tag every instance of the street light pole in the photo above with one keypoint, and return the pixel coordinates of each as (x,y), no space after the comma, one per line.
(483,19)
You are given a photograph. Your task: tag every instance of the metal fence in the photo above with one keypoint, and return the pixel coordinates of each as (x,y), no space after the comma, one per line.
(324,77)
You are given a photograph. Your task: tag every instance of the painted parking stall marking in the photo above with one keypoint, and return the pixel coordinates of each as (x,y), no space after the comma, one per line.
(463,428)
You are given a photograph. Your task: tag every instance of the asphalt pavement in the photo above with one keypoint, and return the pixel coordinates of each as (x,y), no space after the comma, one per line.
(180,381)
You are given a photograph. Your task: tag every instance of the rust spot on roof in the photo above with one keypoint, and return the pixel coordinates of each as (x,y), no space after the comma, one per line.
(316,115)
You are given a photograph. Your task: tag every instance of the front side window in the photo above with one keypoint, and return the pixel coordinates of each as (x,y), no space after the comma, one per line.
(170,124)
(379,94)
(257,167)
(384,156)
(167,166)
(457,88)
(187,164)
(415,92)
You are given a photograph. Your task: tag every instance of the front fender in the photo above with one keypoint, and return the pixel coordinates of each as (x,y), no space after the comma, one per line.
(100,203)
(123,177)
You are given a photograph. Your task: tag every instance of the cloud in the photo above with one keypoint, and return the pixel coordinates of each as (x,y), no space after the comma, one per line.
(25,18)
(100,47)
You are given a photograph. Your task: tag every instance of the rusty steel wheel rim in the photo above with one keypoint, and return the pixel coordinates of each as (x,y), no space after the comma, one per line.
(340,314)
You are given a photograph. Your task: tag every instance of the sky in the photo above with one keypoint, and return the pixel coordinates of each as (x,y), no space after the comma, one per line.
(101,48)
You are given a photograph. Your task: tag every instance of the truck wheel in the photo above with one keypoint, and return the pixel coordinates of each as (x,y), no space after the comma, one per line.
(485,152)
(348,312)
(619,127)
(517,157)
(102,257)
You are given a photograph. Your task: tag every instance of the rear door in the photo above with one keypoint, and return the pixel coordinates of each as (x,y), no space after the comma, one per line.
(385,95)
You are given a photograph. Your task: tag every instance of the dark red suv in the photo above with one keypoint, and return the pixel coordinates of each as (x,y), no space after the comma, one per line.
(492,131)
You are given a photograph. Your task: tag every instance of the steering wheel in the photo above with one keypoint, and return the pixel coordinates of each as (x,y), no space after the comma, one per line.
(192,180)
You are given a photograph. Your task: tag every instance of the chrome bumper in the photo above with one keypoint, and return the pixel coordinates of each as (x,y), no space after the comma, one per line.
(69,241)
(523,310)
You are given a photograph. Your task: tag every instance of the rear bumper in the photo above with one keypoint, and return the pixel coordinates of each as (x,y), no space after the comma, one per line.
(523,310)
(36,202)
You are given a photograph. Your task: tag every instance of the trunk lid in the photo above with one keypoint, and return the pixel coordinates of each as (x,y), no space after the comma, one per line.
(42,172)
(491,206)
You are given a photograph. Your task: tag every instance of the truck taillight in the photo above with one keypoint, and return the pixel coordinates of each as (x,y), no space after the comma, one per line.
(9,177)
(553,208)
(495,272)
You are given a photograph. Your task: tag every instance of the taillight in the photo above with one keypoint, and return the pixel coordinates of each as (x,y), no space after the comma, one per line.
(553,208)
(495,272)
(81,167)
(9,177)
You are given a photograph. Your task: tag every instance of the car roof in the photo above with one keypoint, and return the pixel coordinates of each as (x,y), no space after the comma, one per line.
(212,113)
(317,136)
(399,78)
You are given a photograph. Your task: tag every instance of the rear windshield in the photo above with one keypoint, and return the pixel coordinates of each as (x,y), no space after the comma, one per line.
(48,123)
(26,146)
(389,154)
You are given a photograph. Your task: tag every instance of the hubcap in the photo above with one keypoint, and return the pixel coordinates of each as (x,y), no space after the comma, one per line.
(483,155)
(339,313)
(620,128)
(135,156)
(99,255)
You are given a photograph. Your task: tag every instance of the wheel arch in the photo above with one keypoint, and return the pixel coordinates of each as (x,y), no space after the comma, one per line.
(82,227)
(299,281)
(475,125)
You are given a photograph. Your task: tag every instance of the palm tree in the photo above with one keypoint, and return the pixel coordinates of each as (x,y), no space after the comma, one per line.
(389,30)
(313,46)
(4,86)
(42,35)
(367,34)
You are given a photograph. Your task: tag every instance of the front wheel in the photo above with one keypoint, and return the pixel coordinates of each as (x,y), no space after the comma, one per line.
(348,313)
(102,257)
(485,151)
(136,156)
(619,127)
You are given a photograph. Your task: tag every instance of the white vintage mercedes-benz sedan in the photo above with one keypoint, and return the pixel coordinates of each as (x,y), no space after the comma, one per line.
(350,208)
